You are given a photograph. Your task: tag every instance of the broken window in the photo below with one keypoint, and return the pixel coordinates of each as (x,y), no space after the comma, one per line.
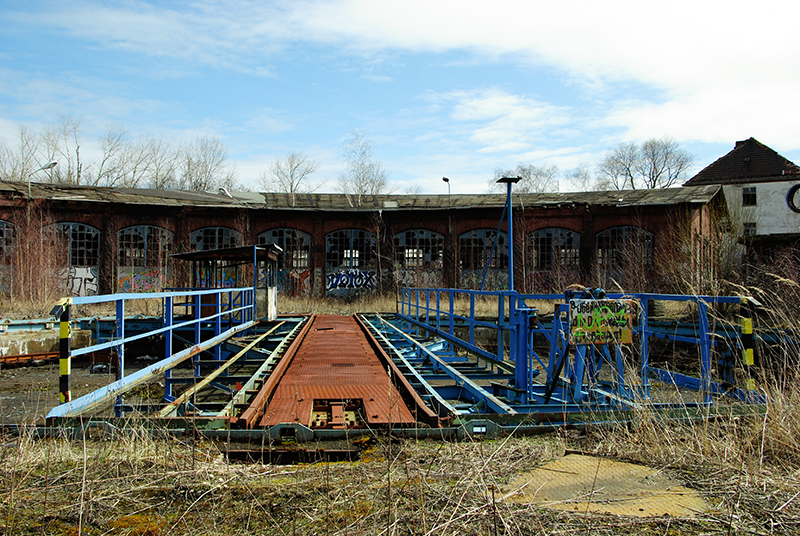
(419,248)
(82,242)
(554,249)
(214,238)
(296,246)
(622,249)
(477,250)
(350,248)
(143,247)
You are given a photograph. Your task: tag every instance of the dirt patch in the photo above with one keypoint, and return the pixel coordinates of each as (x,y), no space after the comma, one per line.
(28,393)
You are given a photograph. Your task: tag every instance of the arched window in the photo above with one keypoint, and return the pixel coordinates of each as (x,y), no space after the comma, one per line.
(418,249)
(478,250)
(296,246)
(214,238)
(475,250)
(143,258)
(82,242)
(553,259)
(623,251)
(350,248)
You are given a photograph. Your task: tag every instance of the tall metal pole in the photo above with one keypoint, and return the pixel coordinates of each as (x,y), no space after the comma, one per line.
(508,181)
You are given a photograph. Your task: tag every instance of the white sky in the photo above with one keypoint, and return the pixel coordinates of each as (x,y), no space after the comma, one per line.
(456,88)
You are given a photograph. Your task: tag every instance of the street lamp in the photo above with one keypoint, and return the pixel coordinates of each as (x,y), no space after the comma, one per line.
(450,238)
(49,165)
(508,181)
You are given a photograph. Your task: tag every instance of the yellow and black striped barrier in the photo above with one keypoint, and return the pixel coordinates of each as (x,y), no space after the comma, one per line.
(62,310)
(748,358)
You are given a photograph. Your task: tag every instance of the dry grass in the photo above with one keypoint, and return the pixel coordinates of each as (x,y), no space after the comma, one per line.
(136,485)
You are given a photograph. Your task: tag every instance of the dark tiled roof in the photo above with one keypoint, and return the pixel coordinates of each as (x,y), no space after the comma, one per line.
(342,203)
(750,161)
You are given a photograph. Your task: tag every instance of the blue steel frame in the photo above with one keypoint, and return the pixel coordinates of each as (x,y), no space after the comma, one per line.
(572,382)
(238,309)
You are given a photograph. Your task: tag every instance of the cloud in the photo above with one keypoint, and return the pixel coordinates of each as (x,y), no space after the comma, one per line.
(499,121)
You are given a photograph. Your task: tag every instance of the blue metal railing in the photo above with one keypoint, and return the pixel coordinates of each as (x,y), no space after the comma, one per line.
(572,369)
(203,311)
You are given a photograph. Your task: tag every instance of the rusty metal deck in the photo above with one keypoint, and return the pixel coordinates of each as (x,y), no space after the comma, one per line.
(336,380)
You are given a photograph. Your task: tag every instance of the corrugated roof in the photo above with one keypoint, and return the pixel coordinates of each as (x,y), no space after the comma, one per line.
(750,161)
(340,202)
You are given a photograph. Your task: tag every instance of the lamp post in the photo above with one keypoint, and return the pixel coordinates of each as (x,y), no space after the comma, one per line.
(454,281)
(49,165)
(508,181)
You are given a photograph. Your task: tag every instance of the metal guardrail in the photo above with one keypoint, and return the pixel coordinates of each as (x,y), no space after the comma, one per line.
(572,369)
(202,310)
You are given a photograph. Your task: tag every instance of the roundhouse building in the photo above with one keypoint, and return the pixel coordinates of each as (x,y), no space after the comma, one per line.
(103,240)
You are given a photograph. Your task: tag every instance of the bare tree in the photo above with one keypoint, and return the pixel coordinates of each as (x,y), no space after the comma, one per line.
(289,175)
(164,164)
(62,143)
(658,163)
(364,176)
(580,179)
(111,167)
(618,168)
(203,165)
(663,162)
(534,179)
(20,162)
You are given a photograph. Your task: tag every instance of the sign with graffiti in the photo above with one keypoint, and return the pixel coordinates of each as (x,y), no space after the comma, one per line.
(352,278)
(601,321)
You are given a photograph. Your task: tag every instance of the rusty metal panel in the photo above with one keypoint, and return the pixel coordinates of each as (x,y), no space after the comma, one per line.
(335,366)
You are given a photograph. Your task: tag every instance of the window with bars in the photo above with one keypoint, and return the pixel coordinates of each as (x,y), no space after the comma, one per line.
(750,229)
(82,241)
(6,241)
(350,248)
(554,249)
(143,246)
(296,246)
(214,238)
(419,248)
(475,250)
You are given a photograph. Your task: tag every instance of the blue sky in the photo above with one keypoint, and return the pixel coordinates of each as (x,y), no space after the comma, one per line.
(456,88)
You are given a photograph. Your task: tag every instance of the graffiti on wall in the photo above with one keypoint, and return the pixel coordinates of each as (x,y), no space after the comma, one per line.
(351,279)
(418,278)
(495,279)
(225,278)
(81,280)
(294,282)
(148,280)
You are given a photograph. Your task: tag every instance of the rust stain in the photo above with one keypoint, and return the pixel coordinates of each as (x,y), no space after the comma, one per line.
(333,371)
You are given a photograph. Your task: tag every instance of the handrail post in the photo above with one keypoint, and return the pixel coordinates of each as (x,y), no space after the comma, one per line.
(65,359)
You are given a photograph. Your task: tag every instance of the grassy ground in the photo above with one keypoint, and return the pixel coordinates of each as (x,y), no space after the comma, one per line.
(747,469)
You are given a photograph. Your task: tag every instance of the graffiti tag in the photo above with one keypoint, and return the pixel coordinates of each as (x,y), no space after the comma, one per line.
(148,281)
(351,279)
(601,321)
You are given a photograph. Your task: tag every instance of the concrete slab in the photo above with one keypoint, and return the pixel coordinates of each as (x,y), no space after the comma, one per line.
(585,483)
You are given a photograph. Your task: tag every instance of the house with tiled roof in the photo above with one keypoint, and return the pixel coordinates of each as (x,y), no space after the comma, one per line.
(756,181)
